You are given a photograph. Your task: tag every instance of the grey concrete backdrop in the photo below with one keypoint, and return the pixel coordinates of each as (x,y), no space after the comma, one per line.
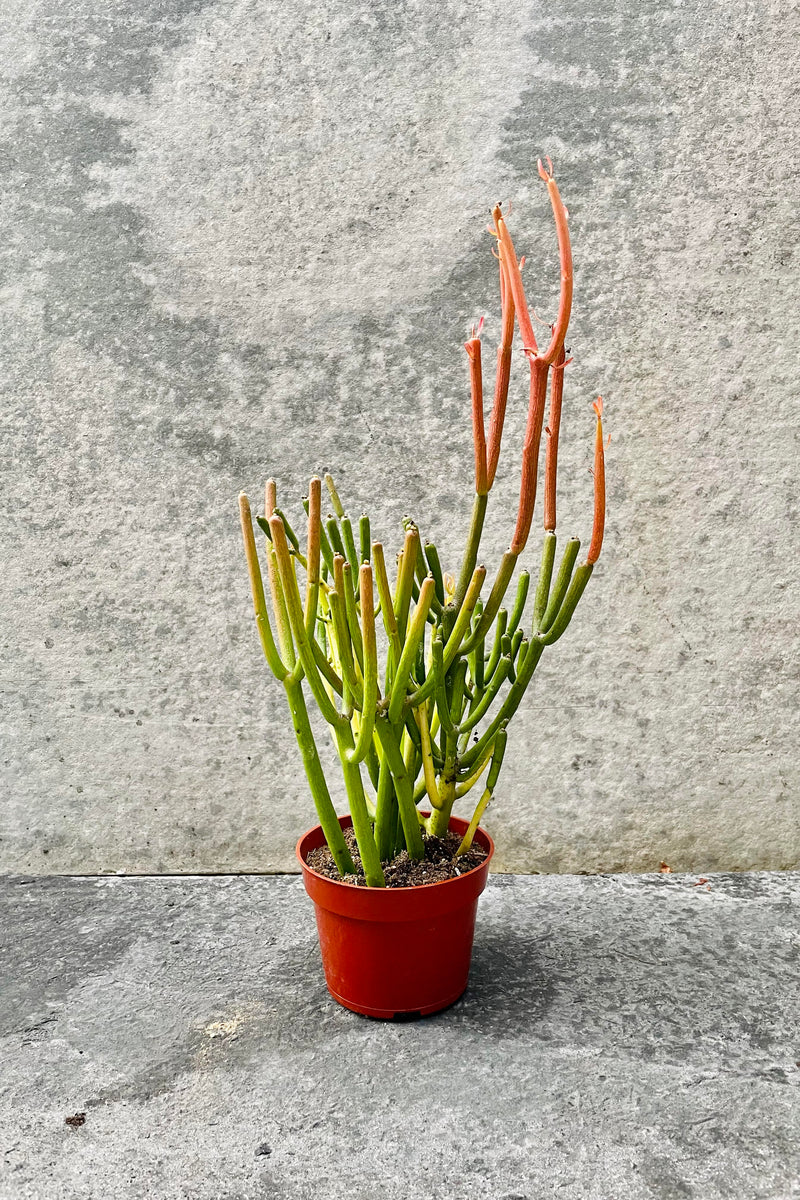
(244,238)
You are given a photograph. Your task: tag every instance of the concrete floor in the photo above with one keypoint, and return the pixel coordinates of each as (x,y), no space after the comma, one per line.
(623,1038)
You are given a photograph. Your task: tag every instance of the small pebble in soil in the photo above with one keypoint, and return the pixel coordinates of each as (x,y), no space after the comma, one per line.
(263,1150)
(440,862)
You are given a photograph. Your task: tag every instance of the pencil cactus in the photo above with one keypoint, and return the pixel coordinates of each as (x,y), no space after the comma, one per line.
(431,724)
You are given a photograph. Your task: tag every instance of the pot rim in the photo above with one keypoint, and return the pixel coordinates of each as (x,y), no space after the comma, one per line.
(346,822)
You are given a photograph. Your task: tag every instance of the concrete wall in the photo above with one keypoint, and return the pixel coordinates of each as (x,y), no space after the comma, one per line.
(244,238)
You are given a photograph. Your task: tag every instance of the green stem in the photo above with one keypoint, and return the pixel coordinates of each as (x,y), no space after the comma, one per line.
(334,537)
(514,645)
(545,575)
(491,784)
(295,611)
(316,778)
(349,542)
(403,786)
(519,603)
(576,589)
(387,607)
(428,768)
(499,589)
(314,528)
(341,633)
(465,784)
(373,765)
(412,759)
(435,568)
(385,812)
(257,589)
(334,495)
(477,662)
(509,705)
(500,631)
(472,547)
(416,633)
(503,670)
(364,537)
(458,680)
(437,680)
(352,615)
(411,730)
(362,825)
(290,533)
(562,583)
(370,692)
(405,579)
(439,821)
(282,623)
(325,667)
(464,617)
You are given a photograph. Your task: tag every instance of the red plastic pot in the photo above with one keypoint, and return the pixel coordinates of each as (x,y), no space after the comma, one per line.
(394,951)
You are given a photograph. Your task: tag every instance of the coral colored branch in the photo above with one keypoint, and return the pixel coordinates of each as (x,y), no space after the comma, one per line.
(503,373)
(598,525)
(551,456)
(530,454)
(498,412)
(565,260)
(509,258)
(473,349)
(539,363)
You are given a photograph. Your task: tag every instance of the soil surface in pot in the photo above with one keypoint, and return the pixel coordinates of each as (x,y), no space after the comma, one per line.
(440,862)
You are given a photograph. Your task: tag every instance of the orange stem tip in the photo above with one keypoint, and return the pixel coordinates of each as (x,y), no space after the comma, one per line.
(599,472)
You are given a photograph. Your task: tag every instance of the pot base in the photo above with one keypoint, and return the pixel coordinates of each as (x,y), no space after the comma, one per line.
(394,1014)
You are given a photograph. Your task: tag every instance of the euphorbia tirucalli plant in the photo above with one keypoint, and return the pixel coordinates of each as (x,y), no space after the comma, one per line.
(418,680)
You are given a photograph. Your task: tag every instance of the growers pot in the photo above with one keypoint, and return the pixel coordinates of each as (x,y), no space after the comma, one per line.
(393,951)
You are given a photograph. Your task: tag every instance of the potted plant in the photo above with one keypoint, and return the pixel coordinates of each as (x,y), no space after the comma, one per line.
(418,677)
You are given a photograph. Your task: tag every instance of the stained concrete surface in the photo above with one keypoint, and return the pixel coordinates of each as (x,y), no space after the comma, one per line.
(241,238)
(622,1038)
